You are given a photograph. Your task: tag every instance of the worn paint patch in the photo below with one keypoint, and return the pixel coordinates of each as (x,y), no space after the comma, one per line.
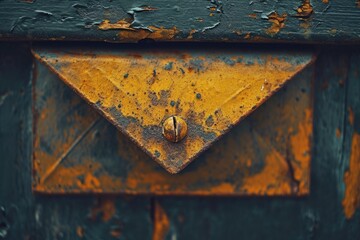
(161,222)
(351,199)
(226,86)
(80,231)
(301,149)
(267,181)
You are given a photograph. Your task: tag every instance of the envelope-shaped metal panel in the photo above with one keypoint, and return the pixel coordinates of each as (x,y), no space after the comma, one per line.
(210,91)
(76,150)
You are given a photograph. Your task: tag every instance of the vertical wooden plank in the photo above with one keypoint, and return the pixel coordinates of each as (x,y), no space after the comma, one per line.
(16,199)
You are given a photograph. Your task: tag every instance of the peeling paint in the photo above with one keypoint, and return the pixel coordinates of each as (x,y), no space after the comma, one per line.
(278,22)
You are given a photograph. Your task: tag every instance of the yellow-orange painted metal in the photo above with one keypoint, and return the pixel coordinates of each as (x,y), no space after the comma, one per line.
(138,90)
(78,151)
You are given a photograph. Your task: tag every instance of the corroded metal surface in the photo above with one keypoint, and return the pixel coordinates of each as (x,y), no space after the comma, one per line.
(138,90)
(78,151)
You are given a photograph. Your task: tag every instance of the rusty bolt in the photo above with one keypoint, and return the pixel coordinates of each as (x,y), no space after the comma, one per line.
(174,129)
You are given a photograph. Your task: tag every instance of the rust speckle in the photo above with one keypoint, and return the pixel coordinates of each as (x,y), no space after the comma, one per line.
(253,15)
(325,1)
(161,222)
(105,207)
(278,22)
(351,199)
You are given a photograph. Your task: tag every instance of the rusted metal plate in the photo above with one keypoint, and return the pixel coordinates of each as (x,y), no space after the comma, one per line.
(137,90)
(78,151)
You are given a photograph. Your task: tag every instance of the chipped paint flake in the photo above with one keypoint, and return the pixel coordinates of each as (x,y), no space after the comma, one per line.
(277,20)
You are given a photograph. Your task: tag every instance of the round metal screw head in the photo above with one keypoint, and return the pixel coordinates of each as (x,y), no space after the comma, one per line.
(174,129)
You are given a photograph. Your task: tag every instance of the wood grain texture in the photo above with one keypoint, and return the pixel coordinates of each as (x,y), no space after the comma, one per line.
(128,21)
(24,215)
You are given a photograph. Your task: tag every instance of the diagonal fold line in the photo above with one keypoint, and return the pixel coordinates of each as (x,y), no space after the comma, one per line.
(53,167)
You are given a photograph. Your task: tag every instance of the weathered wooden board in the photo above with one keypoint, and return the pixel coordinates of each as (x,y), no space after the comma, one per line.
(164,20)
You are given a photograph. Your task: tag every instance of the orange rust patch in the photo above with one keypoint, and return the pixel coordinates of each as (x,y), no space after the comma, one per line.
(351,199)
(80,231)
(105,207)
(278,22)
(338,133)
(325,1)
(161,222)
(121,24)
(116,232)
(272,179)
(300,147)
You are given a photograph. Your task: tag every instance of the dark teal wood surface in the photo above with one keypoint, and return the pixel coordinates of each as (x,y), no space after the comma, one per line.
(320,215)
(232,20)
